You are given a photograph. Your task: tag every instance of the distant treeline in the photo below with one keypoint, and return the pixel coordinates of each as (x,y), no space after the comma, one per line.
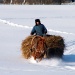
(35,1)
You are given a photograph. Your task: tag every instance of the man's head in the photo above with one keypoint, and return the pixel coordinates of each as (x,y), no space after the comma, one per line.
(37,21)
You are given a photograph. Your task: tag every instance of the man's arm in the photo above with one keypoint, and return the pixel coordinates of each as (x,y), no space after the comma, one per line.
(45,30)
(33,30)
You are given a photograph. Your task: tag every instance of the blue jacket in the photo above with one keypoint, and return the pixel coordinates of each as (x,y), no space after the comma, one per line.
(39,30)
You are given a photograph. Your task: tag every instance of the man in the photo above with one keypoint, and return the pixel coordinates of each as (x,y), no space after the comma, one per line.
(39,29)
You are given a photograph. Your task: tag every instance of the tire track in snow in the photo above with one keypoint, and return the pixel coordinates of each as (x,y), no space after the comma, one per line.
(14,25)
(19,69)
(70,50)
(70,45)
(70,67)
(56,31)
(28,27)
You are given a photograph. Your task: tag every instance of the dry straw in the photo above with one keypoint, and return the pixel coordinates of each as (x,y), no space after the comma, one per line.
(55,46)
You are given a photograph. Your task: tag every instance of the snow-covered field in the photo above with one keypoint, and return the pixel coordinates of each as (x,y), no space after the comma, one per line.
(16,22)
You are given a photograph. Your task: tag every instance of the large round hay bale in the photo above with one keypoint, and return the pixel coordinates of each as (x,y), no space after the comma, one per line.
(55,46)
(26,46)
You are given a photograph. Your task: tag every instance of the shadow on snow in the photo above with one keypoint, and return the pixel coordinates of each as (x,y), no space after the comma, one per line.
(69,58)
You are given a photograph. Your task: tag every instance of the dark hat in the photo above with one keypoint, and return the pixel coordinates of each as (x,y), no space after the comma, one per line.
(37,20)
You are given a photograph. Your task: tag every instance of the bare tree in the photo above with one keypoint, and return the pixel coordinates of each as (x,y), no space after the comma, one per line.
(11,2)
(43,1)
(36,1)
(1,1)
(24,2)
(17,1)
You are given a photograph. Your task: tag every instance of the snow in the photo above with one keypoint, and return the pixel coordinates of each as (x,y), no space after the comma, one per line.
(16,22)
